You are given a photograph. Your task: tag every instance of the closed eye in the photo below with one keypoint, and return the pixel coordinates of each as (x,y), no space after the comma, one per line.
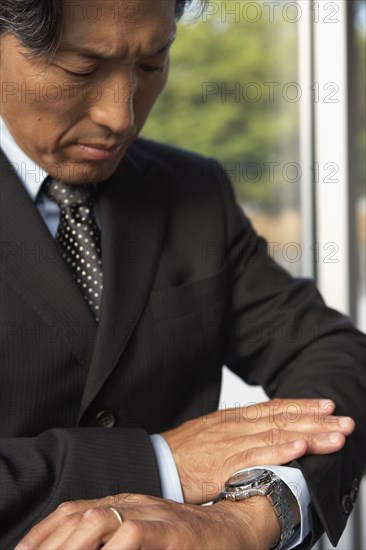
(152,68)
(75,73)
(80,74)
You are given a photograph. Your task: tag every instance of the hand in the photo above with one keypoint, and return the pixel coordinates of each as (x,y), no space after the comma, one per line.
(151,522)
(211,448)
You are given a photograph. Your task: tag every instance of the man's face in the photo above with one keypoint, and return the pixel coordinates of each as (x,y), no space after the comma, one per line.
(76,115)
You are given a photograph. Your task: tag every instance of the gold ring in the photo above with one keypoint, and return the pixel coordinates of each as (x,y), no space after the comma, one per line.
(117,514)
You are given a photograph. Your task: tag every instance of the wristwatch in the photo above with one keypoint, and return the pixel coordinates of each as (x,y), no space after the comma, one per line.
(248,483)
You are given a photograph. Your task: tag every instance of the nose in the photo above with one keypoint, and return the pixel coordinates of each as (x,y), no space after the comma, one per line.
(114,106)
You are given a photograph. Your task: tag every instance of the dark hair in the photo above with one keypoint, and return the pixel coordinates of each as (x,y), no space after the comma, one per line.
(37,24)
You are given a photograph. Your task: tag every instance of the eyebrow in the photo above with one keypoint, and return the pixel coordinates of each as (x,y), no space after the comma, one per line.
(92,54)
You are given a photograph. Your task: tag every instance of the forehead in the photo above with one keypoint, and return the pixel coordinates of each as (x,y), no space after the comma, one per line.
(120,28)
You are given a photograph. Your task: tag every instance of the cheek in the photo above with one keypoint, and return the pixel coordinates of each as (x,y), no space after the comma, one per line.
(37,99)
(147,95)
(44,110)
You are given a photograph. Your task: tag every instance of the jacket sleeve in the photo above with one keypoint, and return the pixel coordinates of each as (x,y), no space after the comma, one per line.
(59,465)
(282,336)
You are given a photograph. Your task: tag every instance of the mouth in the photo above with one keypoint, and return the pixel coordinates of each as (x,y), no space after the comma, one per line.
(99,151)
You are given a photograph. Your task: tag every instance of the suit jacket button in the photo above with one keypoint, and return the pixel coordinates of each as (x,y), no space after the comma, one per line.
(347,504)
(105,419)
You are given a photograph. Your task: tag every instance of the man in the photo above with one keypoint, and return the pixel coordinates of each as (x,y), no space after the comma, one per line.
(127,276)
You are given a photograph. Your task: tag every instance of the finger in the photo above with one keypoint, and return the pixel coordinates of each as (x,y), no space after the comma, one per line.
(301,423)
(260,456)
(138,534)
(318,443)
(88,531)
(307,423)
(65,526)
(289,407)
(46,527)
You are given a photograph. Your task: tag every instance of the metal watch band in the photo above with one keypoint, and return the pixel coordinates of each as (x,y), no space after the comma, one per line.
(268,484)
(282,506)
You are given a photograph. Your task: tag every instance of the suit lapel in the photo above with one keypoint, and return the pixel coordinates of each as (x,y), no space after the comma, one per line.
(133,213)
(31,264)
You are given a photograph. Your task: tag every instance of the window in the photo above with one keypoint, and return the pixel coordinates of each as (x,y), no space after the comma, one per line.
(233,94)
(358,134)
(276,92)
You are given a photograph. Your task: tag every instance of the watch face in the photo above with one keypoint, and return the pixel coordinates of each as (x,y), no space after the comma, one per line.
(245,478)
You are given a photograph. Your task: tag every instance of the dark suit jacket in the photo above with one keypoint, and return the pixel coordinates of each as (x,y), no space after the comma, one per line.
(188,287)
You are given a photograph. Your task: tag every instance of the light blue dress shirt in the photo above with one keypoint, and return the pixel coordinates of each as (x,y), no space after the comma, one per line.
(32,177)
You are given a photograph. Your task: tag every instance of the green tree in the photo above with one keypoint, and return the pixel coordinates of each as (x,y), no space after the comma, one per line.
(232,94)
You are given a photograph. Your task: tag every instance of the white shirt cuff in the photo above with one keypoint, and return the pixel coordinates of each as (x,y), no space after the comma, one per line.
(169,478)
(295,481)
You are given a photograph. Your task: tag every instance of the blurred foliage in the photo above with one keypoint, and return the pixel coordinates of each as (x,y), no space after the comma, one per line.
(260,126)
(213,61)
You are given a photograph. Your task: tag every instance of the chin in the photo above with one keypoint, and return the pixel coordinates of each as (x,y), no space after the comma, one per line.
(91,172)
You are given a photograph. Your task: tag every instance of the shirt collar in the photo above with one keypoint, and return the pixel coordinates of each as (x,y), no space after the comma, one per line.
(31,175)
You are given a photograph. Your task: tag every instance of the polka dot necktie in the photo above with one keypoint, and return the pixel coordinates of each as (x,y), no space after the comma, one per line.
(79,238)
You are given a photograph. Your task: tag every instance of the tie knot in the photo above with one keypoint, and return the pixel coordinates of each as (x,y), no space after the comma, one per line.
(66,195)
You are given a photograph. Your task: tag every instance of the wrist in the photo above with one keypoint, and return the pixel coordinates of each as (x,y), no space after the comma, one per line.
(257,516)
(255,520)
(191,490)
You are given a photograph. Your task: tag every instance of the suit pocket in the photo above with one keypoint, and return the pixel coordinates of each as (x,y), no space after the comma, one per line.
(188,299)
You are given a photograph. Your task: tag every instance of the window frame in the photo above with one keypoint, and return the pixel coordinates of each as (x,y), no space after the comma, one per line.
(328,208)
